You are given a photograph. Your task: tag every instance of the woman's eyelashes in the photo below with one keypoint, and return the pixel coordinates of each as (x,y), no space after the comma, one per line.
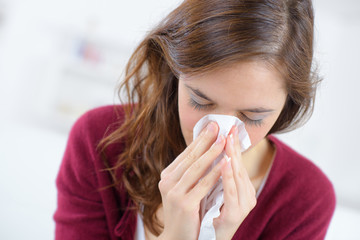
(199,107)
(256,123)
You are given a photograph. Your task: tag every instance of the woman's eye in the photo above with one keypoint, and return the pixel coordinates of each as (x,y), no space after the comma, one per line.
(198,106)
(256,123)
(243,117)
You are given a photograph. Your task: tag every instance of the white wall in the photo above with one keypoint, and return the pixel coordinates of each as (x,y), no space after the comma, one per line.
(47,81)
(330,138)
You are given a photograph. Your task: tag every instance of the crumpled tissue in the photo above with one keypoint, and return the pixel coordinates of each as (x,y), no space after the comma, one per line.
(212,202)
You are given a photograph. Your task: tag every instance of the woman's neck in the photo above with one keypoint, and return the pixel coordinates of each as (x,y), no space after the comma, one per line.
(258,159)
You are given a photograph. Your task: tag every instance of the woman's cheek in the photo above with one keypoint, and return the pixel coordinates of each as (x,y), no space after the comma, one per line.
(188,118)
(256,134)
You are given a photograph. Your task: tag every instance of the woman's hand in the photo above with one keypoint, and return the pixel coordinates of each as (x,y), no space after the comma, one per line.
(239,193)
(181,190)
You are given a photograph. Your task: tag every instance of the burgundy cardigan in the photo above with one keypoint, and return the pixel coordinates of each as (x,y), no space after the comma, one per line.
(297,201)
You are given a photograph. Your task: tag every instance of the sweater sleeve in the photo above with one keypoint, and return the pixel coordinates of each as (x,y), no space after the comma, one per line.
(80,213)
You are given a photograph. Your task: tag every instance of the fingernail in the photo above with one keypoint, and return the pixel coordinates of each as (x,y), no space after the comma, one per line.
(228,159)
(211,127)
(228,164)
(236,131)
(232,139)
(219,139)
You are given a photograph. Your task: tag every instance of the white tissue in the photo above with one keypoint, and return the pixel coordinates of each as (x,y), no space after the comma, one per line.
(212,202)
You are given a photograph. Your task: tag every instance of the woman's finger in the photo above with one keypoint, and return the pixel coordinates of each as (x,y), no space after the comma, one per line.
(231,189)
(237,142)
(231,201)
(233,149)
(192,152)
(243,183)
(206,183)
(199,167)
(239,199)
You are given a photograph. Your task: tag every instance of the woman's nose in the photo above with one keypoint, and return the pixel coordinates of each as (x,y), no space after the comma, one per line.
(230,113)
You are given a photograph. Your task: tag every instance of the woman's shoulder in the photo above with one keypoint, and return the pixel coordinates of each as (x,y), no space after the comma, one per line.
(294,171)
(297,201)
(93,126)
(98,119)
(294,166)
(83,182)
(83,157)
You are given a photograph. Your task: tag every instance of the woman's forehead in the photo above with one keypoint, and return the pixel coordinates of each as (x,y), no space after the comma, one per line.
(252,75)
(247,84)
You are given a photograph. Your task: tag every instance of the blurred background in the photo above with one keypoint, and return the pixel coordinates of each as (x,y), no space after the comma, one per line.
(59,59)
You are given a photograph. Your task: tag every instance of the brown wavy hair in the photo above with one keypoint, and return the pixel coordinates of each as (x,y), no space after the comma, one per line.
(200,36)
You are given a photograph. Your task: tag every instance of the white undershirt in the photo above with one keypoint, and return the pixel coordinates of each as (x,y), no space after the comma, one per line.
(139,233)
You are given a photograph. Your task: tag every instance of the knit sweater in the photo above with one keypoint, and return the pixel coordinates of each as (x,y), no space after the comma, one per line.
(297,201)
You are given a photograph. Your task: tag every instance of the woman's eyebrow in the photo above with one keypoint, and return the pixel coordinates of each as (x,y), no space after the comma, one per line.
(254,110)
(199,93)
(258,110)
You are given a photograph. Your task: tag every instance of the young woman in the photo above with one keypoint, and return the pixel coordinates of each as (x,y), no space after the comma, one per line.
(133,171)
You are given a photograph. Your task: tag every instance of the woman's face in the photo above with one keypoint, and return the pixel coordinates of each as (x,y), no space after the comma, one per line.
(250,91)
